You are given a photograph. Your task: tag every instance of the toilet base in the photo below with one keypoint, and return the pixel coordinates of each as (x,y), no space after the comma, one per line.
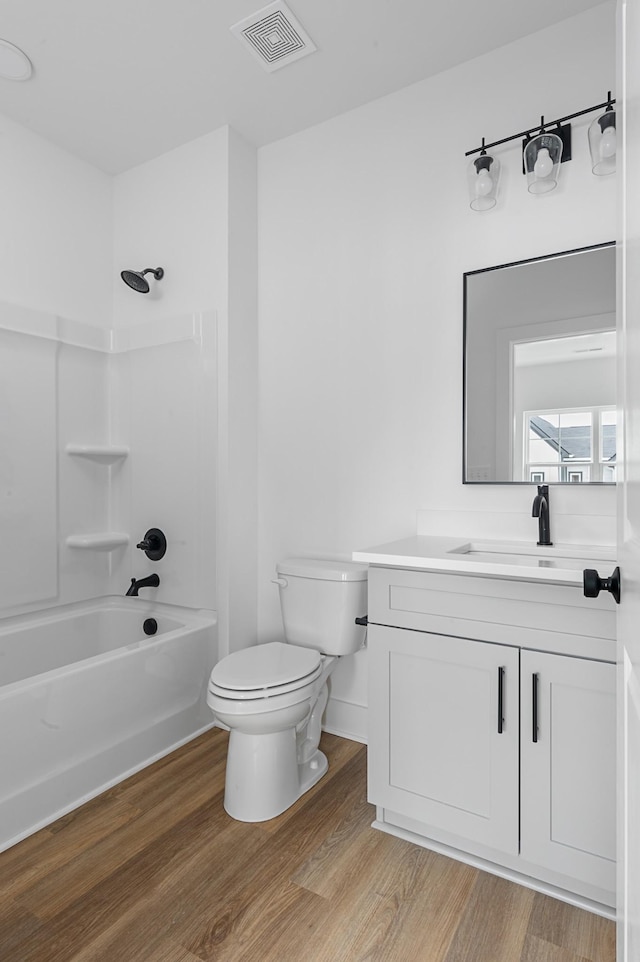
(263,777)
(312,771)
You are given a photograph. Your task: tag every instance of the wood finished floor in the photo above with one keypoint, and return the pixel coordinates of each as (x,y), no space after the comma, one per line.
(154,870)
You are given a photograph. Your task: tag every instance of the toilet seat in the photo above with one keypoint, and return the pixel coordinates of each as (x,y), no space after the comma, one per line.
(265,671)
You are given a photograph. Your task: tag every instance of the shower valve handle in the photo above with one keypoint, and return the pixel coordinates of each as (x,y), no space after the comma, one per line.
(154,544)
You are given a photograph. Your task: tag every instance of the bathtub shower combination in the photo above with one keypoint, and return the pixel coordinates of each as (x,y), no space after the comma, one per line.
(88,698)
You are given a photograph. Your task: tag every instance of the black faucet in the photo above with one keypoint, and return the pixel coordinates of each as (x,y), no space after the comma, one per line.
(151,581)
(540,510)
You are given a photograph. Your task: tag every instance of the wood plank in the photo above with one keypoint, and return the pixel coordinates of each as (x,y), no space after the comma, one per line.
(17,926)
(156,871)
(91,912)
(404,902)
(47,851)
(588,936)
(164,951)
(539,950)
(194,877)
(201,901)
(494,924)
(246,887)
(324,871)
(341,752)
(148,787)
(280,928)
(57,890)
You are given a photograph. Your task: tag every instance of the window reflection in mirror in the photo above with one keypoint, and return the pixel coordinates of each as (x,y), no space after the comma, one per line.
(539,371)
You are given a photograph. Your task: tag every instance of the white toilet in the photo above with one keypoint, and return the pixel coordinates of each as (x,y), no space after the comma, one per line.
(272,696)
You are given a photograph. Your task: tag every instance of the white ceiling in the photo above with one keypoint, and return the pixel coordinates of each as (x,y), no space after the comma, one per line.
(121,81)
(558,350)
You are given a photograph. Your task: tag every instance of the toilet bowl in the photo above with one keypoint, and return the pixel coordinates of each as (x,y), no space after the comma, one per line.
(272,697)
(273,754)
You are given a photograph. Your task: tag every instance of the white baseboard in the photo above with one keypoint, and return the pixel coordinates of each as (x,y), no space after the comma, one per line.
(346,719)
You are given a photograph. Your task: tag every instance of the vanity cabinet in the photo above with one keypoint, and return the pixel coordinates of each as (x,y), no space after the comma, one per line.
(448,751)
(492,725)
(568,765)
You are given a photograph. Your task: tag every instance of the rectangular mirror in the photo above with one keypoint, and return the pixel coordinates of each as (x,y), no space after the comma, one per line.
(540,370)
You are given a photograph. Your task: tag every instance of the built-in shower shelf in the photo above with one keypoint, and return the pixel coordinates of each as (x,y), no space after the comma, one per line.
(102,453)
(100,541)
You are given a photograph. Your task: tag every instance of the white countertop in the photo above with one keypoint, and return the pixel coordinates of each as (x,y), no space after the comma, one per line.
(562,563)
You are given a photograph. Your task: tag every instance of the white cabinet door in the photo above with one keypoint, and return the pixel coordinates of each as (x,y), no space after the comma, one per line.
(440,751)
(568,769)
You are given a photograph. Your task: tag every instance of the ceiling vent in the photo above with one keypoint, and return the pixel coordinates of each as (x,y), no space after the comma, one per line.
(274,36)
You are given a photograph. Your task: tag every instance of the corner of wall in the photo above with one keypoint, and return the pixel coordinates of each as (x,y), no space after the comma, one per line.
(238,409)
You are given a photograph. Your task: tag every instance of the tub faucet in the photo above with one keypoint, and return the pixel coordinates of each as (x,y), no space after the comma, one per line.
(540,510)
(151,581)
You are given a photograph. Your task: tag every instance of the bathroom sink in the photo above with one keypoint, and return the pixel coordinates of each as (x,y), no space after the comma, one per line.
(526,549)
(522,560)
(544,556)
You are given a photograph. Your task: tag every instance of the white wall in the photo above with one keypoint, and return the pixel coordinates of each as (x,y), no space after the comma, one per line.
(172,213)
(173,373)
(193,425)
(364,234)
(238,411)
(56,264)
(55,230)
(577,383)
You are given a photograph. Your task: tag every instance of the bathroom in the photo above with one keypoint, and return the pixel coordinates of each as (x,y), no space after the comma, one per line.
(322,276)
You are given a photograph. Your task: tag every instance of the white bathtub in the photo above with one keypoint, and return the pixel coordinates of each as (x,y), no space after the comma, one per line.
(87,698)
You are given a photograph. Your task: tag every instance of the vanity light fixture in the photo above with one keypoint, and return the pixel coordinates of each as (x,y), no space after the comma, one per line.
(544,148)
(14,63)
(603,141)
(484,174)
(542,156)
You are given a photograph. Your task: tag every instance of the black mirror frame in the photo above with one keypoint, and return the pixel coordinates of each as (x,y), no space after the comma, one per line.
(485,270)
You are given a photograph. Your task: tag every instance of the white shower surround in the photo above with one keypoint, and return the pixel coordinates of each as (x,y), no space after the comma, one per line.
(146,396)
(87,699)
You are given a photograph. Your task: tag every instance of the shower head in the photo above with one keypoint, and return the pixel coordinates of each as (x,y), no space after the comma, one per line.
(136,279)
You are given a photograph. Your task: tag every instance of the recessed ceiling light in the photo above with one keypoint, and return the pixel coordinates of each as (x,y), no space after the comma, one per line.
(14,64)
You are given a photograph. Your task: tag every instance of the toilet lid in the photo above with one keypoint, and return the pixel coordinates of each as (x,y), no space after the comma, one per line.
(266,666)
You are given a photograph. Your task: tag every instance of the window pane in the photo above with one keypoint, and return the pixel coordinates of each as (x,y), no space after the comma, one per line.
(541,451)
(575,419)
(608,420)
(543,437)
(575,436)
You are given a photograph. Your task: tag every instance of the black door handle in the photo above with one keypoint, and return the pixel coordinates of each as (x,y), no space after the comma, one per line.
(594,584)
(500,700)
(534,707)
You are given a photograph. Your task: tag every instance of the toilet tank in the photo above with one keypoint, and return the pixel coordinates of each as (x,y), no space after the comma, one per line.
(320,601)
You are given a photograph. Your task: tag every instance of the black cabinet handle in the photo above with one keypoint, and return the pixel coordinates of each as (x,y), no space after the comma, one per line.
(534,718)
(593,584)
(500,701)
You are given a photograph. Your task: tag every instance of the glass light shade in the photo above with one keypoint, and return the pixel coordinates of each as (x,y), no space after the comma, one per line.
(542,157)
(603,143)
(14,63)
(483,175)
